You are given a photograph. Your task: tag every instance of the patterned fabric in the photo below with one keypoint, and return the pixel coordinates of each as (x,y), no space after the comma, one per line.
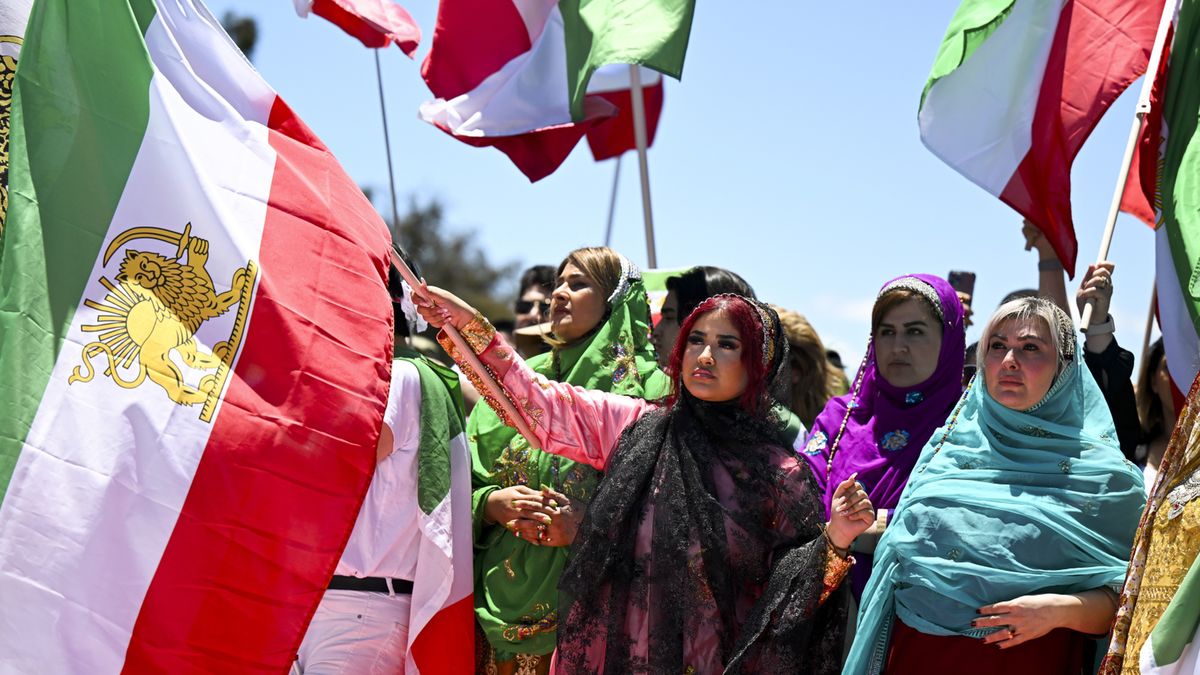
(878,430)
(516,594)
(868,430)
(702,550)
(1003,503)
(1166,545)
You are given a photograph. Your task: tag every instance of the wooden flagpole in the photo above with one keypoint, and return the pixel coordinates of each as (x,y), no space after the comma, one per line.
(471,358)
(639,135)
(1143,108)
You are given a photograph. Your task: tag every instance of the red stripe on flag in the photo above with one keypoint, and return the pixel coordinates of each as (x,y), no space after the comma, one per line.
(375,23)
(472,40)
(447,643)
(539,153)
(1100,47)
(614,136)
(293,446)
(1141,190)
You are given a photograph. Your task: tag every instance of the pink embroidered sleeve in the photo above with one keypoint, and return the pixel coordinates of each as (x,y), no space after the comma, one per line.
(580,424)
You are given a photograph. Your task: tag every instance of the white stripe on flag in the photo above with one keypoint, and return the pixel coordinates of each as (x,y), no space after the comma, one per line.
(1180,342)
(528,93)
(615,77)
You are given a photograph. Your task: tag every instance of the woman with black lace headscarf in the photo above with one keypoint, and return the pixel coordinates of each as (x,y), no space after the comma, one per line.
(705,547)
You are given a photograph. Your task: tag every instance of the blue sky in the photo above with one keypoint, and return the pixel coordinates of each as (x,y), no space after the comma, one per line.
(788,153)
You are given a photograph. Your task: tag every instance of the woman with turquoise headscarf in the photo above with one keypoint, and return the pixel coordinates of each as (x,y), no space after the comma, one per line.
(1012,537)
(601,323)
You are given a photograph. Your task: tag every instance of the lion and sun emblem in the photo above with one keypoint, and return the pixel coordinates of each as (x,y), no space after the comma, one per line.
(152,309)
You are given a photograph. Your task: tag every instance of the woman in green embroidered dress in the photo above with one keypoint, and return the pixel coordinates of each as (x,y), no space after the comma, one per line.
(601,322)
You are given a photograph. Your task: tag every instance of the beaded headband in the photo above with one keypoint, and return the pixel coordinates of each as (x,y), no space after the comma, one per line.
(764,318)
(629,274)
(919,287)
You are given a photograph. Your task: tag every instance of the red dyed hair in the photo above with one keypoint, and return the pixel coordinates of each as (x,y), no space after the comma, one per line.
(748,322)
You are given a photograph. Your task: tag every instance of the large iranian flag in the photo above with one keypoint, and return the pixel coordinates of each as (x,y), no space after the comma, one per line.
(1018,86)
(515,74)
(1169,173)
(195,341)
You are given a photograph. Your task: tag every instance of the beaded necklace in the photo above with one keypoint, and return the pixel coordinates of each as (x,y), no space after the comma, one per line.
(962,401)
(850,406)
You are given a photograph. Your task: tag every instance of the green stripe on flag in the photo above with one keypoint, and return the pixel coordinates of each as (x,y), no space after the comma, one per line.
(971,26)
(441,421)
(1177,627)
(80,108)
(652,33)
(1180,179)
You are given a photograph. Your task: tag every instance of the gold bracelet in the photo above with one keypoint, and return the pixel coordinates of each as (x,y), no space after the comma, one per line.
(842,552)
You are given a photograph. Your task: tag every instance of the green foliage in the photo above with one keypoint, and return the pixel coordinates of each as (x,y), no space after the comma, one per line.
(243,30)
(454,261)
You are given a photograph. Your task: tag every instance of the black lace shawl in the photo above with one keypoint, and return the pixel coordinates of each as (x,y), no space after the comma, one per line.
(735,554)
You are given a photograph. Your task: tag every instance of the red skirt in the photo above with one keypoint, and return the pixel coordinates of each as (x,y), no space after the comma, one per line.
(1059,652)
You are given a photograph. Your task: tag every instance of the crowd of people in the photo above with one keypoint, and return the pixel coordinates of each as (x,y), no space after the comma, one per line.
(711,493)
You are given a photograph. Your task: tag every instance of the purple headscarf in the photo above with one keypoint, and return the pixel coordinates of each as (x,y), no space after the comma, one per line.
(887,426)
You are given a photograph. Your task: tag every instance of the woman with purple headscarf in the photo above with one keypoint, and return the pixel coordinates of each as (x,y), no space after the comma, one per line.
(906,386)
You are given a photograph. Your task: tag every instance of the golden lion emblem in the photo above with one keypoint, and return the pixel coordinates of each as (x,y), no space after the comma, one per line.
(154,310)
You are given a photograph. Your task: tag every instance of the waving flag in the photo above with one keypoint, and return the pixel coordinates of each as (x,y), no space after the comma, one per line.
(195,338)
(375,23)
(514,74)
(615,136)
(1168,179)
(1018,86)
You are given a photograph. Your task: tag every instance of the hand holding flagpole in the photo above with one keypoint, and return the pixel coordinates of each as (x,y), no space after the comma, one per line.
(1143,108)
(471,358)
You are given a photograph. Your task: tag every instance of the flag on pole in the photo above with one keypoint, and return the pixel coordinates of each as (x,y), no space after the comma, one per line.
(614,136)
(13,16)
(514,74)
(1169,179)
(1018,86)
(195,337)
(375,23)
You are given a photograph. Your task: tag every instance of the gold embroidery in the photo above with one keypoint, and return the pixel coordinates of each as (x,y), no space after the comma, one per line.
(527,664)
(541,620)
(478,334)
(836,569)
(509,570)
(1174,545)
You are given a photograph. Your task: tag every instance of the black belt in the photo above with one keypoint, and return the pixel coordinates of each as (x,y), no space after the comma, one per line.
(371,585)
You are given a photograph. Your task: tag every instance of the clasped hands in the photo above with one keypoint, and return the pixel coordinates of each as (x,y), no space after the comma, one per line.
(542,518)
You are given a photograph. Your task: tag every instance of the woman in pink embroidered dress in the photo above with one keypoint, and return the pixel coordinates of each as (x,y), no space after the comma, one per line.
(704,549)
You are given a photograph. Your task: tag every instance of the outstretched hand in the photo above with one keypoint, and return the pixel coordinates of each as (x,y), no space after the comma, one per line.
(851,513)
(440,307)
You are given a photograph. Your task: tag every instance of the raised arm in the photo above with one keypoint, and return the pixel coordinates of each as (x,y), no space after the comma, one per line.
(580,424)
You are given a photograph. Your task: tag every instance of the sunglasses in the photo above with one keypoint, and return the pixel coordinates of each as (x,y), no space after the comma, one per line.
(525,306)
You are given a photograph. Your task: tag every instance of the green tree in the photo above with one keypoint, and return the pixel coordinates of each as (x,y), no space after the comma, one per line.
(454,261)
(243,30)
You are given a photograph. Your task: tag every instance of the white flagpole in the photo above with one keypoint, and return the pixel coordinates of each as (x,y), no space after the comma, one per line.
(639,134)
(612,203)
(1143,108)
(1150,320)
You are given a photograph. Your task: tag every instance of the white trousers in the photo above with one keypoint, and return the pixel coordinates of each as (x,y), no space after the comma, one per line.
(356,632)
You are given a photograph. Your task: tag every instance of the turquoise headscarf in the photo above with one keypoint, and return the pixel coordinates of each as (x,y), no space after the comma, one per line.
(1001,504)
